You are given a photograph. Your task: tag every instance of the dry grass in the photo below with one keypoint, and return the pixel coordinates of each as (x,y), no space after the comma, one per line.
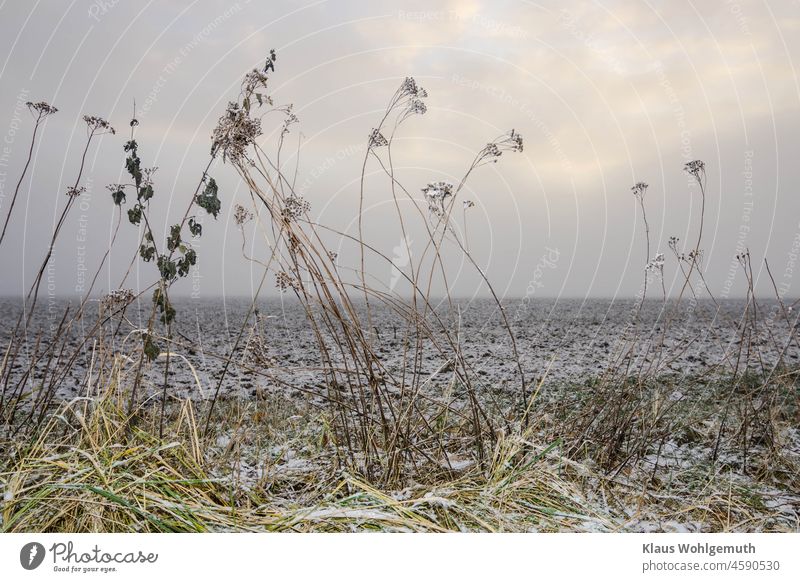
(88,470)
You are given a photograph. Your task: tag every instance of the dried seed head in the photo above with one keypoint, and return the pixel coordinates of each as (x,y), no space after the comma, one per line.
(41,108)
(411,96)
(376,139)
(696,168)
(491,152)
(409,88)
(118,298)
(235,132)
(258,349)
(639,189)
(656,264)
(510,142)
(515,140)
(285,281)
(241,215)
(436,195)
(253,80)
(417,107)
(695,255)
(294,207)
(98,124)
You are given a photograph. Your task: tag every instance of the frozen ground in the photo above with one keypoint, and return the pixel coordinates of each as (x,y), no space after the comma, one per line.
(681,487)
(566,339)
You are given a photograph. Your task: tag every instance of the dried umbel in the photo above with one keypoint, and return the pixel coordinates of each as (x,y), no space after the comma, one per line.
(258,350)
(468,204)
(294,207)
(147,175)
(410,95)
(241,215)
(235,132)
(98,125)
(673,246)
(436,195)
(695,256)
(237,129)
(417,107)
(376,139)
(284,281)
(409,88)
(118,298)
(656,265)
(696,168)
(253,80)
(289,119)
(639,189)
(41,109)
(510,142)
(492,151)
(74,192)
(514,141)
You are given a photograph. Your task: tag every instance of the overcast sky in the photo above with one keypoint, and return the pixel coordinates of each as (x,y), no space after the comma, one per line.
(605,94)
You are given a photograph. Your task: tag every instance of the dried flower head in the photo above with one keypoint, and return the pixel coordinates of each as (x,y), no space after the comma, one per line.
(289,120)
(639,189)
(656,264)
(147,175)
(409,88)
(294,207)
(118,298)
(333,255)
(417,107)
(696,168)
(285,281)
(253,80)
(258,350)
(673,246)
(491,152)
(468,204)
(74,192)
(235,132)
(411,96)
(515,141)
(376,139)
(41,109)
(695,256)
(510,142)
(436,195)
(98,125)
(241,215)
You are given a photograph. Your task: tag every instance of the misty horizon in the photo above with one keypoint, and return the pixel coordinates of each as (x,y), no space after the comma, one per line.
(599,111)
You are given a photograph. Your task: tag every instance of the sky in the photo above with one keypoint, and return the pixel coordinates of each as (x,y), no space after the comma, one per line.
(605,94)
